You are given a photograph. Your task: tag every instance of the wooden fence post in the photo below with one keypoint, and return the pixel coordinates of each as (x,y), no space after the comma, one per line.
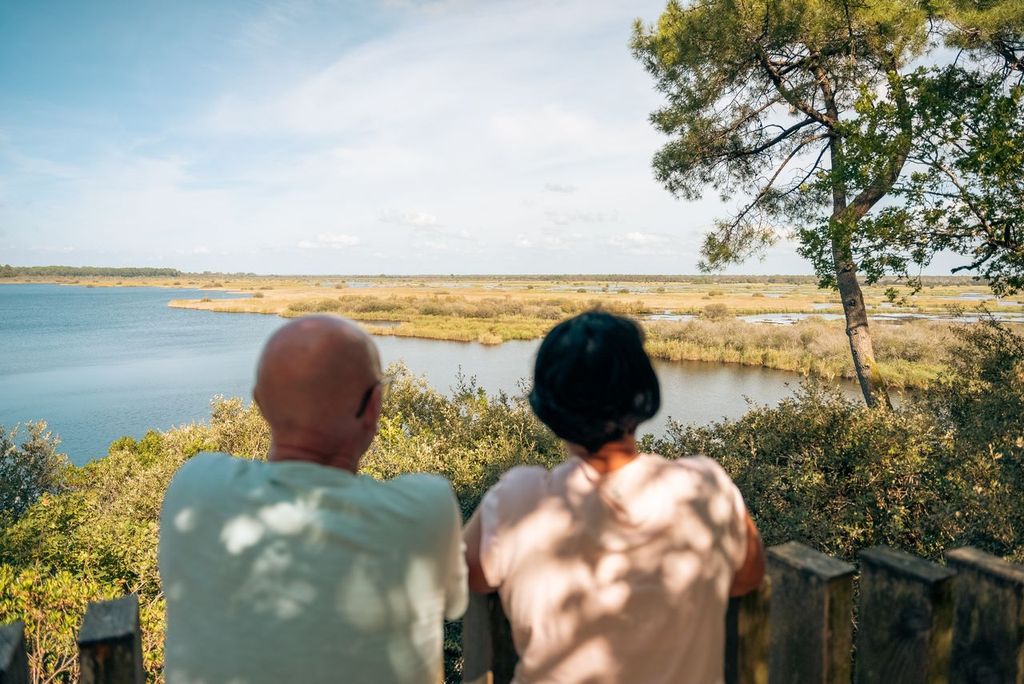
(988,627)
(13,659)
(747,637)
(110,643)
(811,616)
(905,621)
(489,656)
(476,642)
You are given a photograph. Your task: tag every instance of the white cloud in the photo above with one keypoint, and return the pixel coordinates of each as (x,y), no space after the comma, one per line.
(564,188)
(414,219)
(330,241)
(469,142)
(565,218)
(645,244)
(634,238)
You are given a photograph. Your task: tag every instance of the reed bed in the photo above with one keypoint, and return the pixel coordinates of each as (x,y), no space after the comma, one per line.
(909,355)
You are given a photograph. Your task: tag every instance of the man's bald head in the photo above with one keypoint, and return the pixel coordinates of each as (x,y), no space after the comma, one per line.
(312,377)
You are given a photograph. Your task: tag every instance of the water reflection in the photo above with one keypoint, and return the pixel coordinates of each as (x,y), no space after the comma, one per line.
(692,392)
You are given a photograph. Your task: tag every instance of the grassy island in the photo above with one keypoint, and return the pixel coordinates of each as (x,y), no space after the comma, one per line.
(780,322)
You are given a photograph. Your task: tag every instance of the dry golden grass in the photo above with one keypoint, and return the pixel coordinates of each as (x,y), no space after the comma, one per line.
(491,310)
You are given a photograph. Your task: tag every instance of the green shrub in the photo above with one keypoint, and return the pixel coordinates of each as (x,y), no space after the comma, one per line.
(29,468)
(716,312)
(943,470)
(314,306)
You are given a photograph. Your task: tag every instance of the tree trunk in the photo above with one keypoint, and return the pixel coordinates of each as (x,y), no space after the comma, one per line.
(861,348)
(841,227)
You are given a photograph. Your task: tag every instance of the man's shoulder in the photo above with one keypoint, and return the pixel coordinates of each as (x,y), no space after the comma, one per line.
(206,462)
(425,487)
(207,469)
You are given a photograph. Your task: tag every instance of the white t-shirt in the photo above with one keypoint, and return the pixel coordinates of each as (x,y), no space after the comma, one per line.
(617,578)
(295,572)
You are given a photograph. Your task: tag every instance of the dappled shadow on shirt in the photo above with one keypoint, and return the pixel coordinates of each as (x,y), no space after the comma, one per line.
(303,588)
(601,589)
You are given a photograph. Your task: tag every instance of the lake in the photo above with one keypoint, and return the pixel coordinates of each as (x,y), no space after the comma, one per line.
(98,363)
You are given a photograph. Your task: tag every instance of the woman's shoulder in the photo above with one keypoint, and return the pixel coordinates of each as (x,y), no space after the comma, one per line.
(691,467)
(523,477)
(519,489)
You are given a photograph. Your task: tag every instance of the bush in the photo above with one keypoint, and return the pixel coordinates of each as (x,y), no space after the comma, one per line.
(716,312)
(314,306)
(943,470)
(97,538)
(28,469)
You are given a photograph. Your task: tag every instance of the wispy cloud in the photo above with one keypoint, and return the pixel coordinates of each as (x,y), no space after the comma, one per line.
(641,243)
(330,241)
(444,136)
(564,188)
(414,219)
(565,218)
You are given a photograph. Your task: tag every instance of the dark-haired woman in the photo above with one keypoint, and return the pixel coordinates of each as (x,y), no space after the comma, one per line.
(615,566)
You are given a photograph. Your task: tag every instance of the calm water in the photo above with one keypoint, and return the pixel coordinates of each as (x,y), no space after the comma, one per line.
(98,363)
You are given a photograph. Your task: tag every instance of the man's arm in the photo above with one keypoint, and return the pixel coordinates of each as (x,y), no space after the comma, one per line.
(456,593)
(749,575)
(472,535)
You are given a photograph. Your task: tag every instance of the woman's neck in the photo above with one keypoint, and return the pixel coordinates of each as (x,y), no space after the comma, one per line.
(610,457)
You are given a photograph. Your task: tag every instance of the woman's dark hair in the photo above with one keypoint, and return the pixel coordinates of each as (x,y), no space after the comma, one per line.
(593,382)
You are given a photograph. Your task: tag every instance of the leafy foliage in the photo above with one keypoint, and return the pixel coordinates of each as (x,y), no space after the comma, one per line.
(813,112)
(28,470)
(758,92)
(97,538)
(50,603)
(964,192)
(993,29)
(944,469)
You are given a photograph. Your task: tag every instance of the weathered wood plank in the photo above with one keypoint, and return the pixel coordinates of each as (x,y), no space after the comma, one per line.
(477,653)
(905,628)
(988,619)
(811,616)
(747,637)
(503,666)
(488,653)
(13,658)
(110,643)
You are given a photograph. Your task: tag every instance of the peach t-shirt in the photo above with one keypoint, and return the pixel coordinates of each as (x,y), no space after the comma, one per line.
(617,578)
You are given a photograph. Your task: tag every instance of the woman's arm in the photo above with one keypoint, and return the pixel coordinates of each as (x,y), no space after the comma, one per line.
(749,575)
(472,535)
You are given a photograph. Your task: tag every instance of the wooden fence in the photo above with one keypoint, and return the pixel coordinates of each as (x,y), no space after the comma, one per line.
(917,622)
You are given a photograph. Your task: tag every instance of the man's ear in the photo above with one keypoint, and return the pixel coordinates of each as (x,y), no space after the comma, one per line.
(371,417)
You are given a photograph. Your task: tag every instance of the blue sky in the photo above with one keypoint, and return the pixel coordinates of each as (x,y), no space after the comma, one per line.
(319,136)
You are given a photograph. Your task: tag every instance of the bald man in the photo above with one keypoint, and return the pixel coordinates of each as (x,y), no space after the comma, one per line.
(297,568)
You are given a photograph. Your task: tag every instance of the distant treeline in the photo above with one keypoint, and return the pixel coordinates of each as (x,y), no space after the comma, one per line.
(7,271)
(701,279)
